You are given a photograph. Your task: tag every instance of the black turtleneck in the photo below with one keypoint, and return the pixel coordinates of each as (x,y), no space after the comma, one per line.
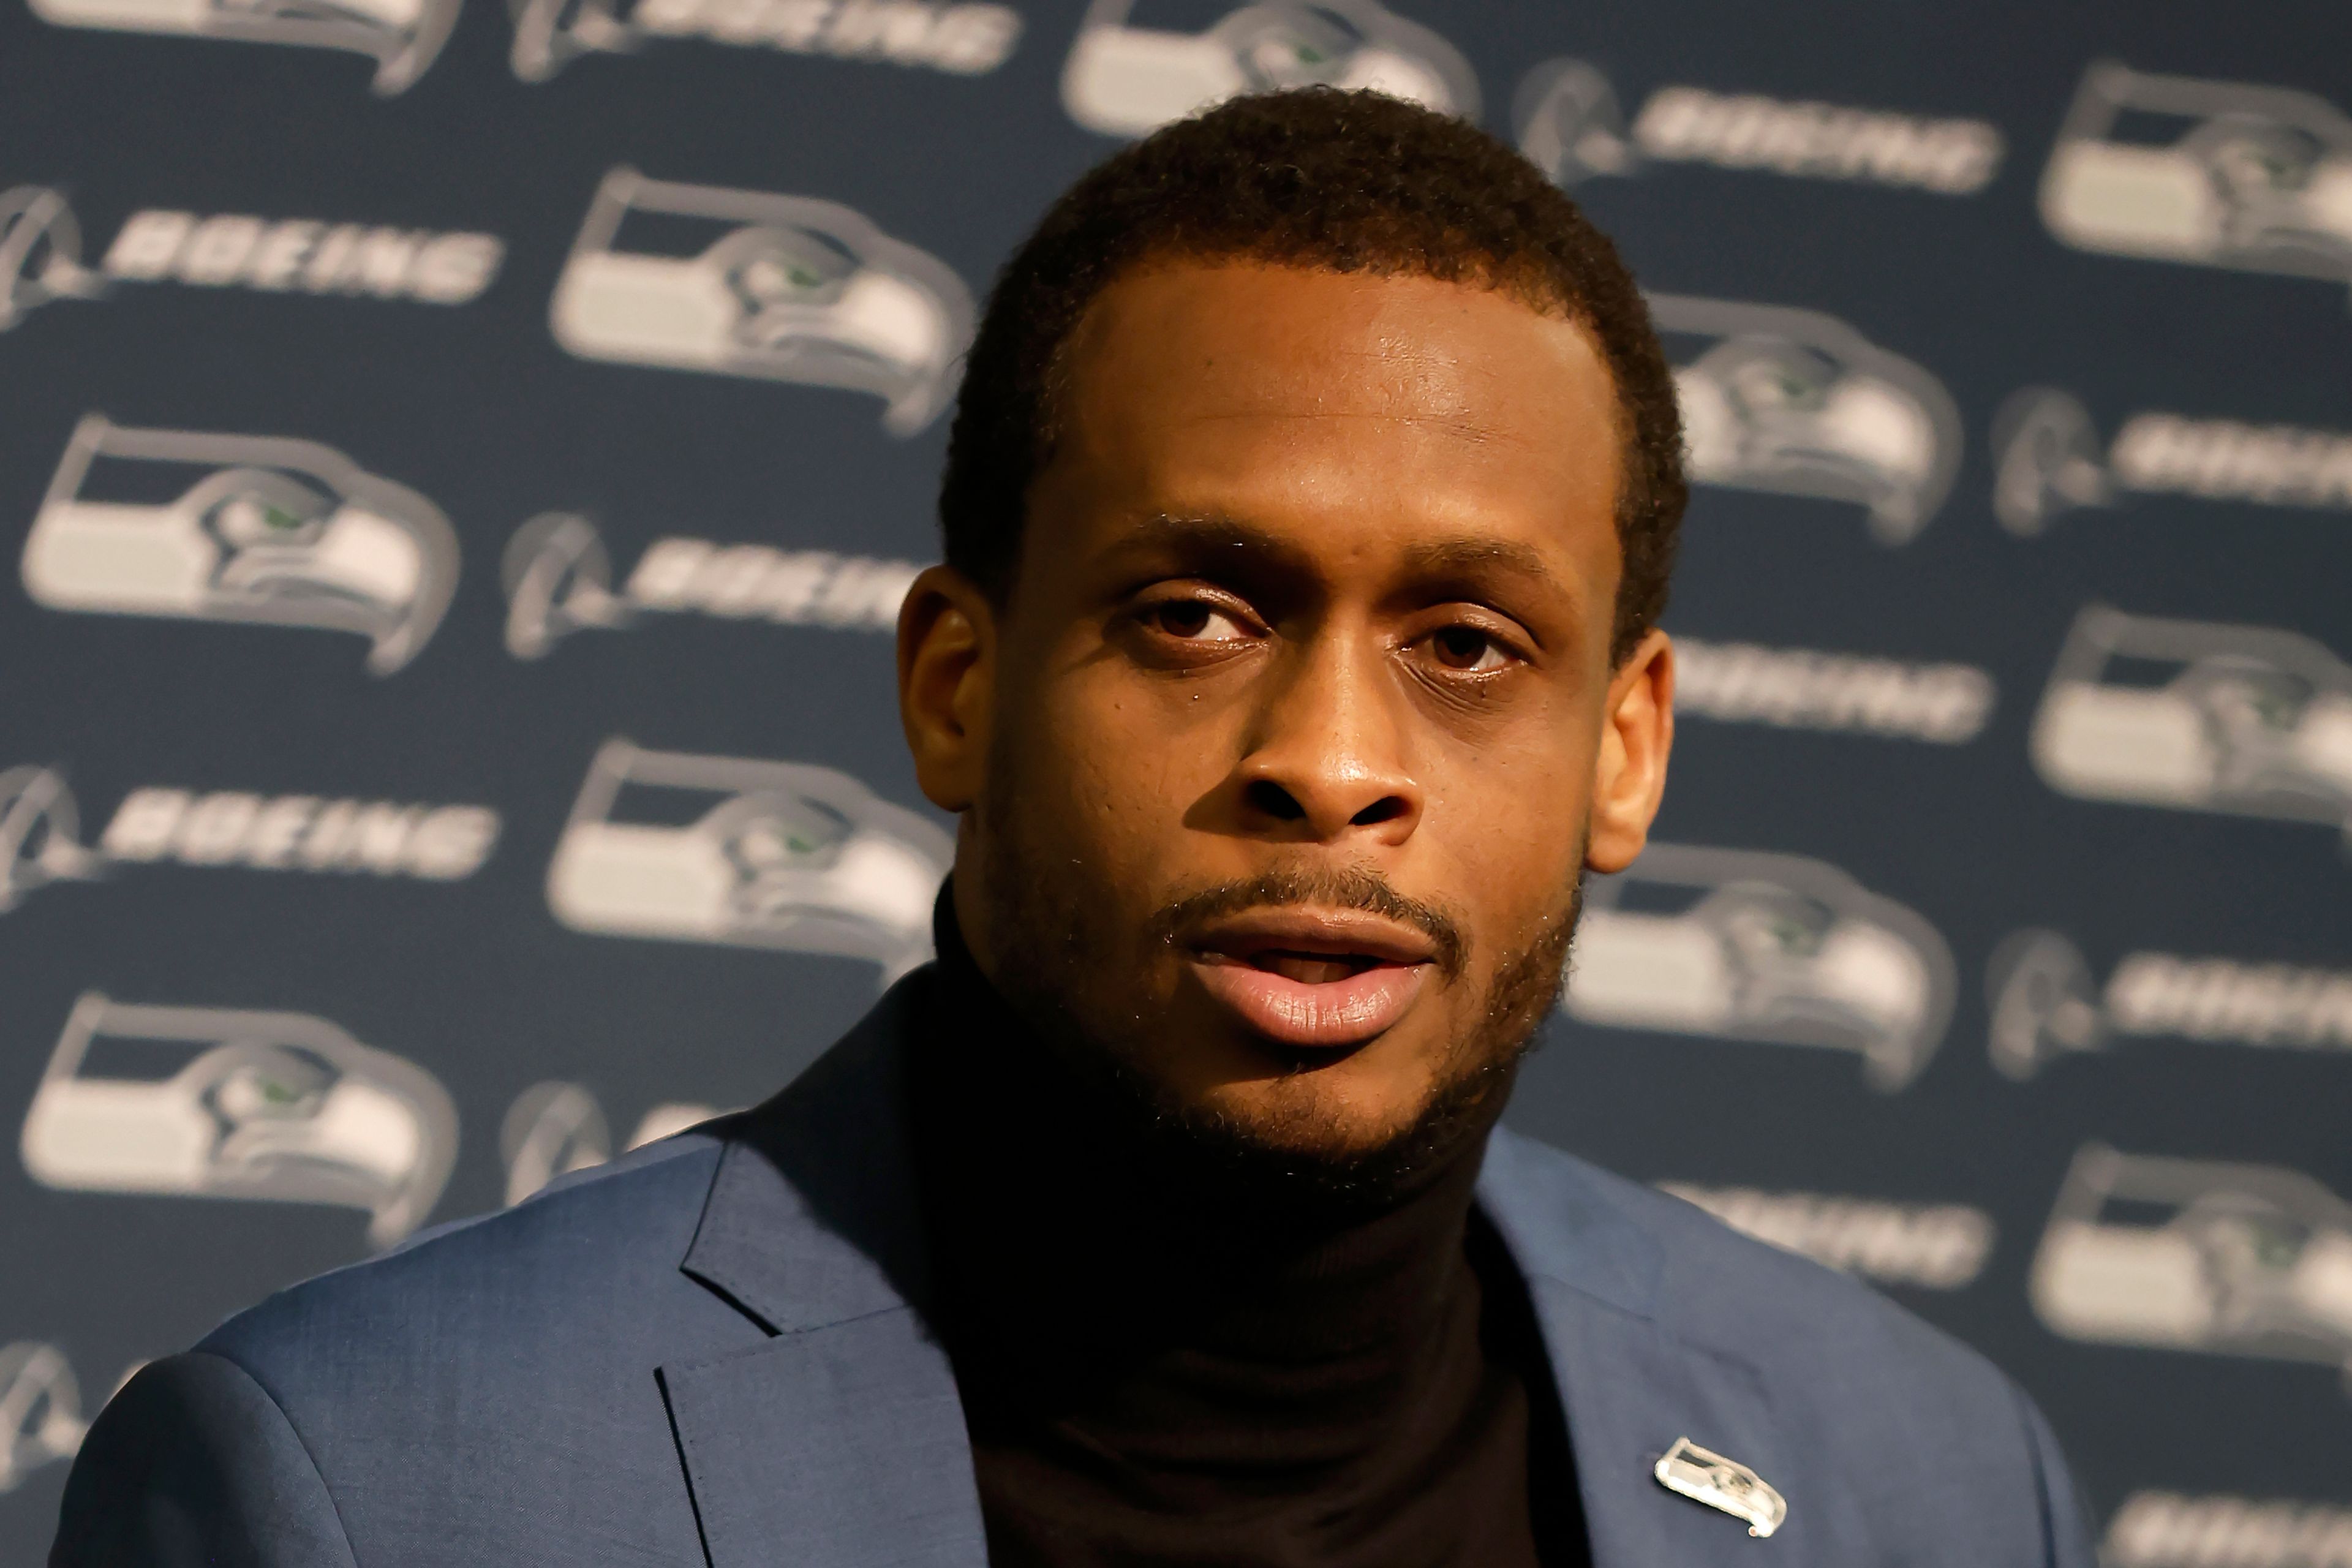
(1161,1365)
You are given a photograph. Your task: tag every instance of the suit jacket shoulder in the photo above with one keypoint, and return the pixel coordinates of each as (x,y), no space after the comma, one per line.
(682,1357)
(715,1344)
(1725,1289)
(1896,1438)
(495,1378)
(565,1266)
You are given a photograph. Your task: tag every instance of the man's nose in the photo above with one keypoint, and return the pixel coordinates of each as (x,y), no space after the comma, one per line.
(1326,757)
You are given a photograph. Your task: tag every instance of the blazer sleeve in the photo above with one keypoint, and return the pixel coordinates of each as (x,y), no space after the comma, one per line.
(2066,1528)
(192,1464)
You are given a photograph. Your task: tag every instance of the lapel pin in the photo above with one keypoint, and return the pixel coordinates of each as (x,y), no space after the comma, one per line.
(1703,1476)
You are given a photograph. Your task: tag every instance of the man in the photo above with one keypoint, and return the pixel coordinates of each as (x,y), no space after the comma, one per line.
(1308,517)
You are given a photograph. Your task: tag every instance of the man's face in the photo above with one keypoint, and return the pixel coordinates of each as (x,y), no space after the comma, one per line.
(1281,762)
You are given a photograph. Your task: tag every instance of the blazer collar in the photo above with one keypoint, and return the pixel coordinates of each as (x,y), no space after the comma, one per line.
(1632,1377)
(843,1435)
(1558,1223)
(837,1442)
(812,1218)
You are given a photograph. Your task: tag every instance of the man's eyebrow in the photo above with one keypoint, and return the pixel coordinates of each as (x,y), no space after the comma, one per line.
(1206,535)
(1480,558)
(1434,558)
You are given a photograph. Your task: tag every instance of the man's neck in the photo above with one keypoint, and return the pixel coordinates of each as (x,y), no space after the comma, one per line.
(1084,1237)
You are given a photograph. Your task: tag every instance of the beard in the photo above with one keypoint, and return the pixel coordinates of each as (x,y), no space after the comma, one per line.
(1057,958)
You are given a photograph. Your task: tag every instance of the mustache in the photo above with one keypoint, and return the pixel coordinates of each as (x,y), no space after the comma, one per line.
(1355,887)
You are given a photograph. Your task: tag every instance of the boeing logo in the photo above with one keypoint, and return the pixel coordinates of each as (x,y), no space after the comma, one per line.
(964,39)
(746,853)
(256,529)
(1128,80)
(2047,460)
(1570,123)
(310,255)
(1807,689)
(1797,403)
(1930,1247)
(40,1411)
(40,833)
(403,36)
(220,1102)
(2213,173)
(2170,1530)
(40,254)
(301,833)
(2045,1005)
(1743,945)
(2194,716)
(559,580)
(781,288)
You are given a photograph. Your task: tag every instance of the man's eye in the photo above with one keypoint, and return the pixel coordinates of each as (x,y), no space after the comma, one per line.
(1467,649)
(1192,620)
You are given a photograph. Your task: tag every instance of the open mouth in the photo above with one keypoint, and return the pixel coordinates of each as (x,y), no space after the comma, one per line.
(1311,982)
(1310,968)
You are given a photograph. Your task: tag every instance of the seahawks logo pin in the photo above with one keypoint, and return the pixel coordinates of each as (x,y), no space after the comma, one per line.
(1706,1476)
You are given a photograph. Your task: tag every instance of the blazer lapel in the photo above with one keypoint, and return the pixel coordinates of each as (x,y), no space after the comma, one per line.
(839,1442)
(1630,1384)
(834,1447)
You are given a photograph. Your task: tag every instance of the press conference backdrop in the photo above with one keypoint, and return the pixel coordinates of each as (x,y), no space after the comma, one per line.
(460,465)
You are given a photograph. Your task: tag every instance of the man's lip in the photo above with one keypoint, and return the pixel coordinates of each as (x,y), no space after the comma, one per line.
(1333,934)
(1331,1016)
(1388,964)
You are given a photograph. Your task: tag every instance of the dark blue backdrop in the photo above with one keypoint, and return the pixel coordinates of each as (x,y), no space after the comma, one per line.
(463,464)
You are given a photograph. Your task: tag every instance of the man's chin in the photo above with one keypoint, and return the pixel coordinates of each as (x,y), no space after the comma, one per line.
(1317,1138)
(1304,1130)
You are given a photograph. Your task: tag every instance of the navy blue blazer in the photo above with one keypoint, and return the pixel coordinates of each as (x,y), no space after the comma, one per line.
(707,1352)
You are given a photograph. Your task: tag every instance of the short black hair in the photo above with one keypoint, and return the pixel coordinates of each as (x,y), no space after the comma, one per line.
(1314,177)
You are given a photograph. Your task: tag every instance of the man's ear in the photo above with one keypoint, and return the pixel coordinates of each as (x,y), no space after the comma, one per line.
(947,684)
(1630,773)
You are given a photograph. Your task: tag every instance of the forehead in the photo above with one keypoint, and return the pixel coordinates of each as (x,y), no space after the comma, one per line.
(1370,406)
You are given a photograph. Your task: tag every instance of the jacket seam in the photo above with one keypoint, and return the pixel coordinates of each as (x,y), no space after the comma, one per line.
(2037,1459)
(334,1508)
